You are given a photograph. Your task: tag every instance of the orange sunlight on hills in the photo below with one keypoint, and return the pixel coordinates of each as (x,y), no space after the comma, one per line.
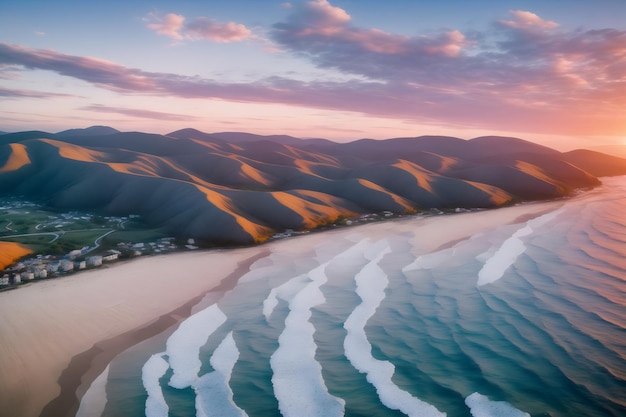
(256,231)
(17,158)
(397,199)
(533,170)
(11,252)
(75,152)
(422,176)
(497,196)
(312,214)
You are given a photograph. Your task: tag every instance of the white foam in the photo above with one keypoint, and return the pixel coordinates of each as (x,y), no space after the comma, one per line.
(214,397)
(285,292)
(506,255)
(429,260)
(151,372)
(183,346)
(481,406)
(297,377)
(371,283)
(94,401)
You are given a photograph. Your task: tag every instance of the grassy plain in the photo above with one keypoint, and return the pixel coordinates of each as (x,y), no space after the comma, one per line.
(46,231)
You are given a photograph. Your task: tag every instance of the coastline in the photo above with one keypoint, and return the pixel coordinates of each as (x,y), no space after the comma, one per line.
(59,335)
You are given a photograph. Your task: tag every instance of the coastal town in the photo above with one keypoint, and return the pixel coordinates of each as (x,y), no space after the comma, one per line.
(61,252)
(53,266)
(31,222)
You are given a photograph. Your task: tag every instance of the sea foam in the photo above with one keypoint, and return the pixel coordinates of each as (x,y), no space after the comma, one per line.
(371,282)
(285,292)
(151,372)
(481,406)
(183,346)
(94,401)
(297,377)
(214,397)
(506,255)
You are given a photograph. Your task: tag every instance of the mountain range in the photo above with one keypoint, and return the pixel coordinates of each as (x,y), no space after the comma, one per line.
(241,188)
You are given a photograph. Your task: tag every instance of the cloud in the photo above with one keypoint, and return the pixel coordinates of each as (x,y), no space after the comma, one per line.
(169,25)
(97,71)
(530,76)
(325,34)
(144,114)
(527,20)
(200,28)
(16,93)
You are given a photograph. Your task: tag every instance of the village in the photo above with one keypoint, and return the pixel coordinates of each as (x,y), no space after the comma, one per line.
(69,242)
(43,266)
(52,266)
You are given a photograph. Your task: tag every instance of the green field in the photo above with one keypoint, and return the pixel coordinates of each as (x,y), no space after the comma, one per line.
(54,232)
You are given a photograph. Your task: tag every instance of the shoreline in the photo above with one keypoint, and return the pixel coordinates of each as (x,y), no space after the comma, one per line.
(85,367)
(59,376)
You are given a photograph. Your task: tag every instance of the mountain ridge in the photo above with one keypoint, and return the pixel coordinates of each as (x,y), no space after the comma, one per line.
(236,188)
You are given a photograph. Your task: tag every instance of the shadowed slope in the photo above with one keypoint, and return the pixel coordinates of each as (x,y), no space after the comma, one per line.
(241,188)
(596,163)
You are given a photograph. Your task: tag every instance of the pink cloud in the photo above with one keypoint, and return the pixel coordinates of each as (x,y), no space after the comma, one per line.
(200,28)
(205,28)
(319,17)
(527,20)
(168,25)
(144,114)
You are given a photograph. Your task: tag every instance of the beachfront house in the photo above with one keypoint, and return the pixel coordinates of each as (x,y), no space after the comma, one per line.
(111,255)
(28,276)
(65,265)
(41,273)
(95,260)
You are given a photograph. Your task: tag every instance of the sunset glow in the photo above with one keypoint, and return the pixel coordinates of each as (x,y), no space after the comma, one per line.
(343,70)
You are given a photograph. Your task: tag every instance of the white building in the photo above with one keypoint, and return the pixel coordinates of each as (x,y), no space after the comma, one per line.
(65,265)
(94,260)
(111,255)
(41,273)
(28,276)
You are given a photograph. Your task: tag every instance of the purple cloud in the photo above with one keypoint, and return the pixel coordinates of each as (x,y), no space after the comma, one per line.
(13,93)
(144,114)
(100,72)
(174,26)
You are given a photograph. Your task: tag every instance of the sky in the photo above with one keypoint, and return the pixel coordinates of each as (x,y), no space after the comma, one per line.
(553,72)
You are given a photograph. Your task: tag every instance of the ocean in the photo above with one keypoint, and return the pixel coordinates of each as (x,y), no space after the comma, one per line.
(526,319)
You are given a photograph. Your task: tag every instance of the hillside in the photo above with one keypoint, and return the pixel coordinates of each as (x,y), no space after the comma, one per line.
(240,188)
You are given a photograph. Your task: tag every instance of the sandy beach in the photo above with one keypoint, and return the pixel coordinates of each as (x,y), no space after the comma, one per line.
(63,332)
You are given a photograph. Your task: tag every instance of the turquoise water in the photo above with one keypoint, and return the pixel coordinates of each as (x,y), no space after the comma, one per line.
(524,319)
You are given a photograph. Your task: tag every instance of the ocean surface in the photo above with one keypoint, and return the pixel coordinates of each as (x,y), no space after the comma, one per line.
(527,319)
